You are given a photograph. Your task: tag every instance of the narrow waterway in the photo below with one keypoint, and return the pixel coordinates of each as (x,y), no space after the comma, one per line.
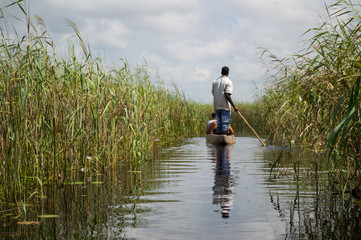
(214,192)
(194,191)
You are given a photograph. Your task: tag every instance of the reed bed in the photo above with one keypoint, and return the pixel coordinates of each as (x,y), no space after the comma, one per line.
(63,115)
(252,112)
(315,96)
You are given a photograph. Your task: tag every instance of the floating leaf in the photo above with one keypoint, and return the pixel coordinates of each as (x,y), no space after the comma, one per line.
(29,223)
(48,216)
(76,183)
(97,182)
(26,204)
(12,234)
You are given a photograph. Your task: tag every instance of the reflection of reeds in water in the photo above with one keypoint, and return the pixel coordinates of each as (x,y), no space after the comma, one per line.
(223,189)
(310,211)
(64,115)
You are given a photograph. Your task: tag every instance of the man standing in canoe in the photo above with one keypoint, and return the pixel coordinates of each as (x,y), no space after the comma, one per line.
(222,90)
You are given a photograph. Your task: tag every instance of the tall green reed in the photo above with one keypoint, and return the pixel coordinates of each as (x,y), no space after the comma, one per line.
(253,113)
(63,115)
(315,97)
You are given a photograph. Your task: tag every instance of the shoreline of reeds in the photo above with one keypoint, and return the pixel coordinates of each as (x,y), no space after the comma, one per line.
(315,98)
(62,115)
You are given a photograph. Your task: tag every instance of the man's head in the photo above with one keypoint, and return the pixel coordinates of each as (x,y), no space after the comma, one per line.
(214,115)
(225,71)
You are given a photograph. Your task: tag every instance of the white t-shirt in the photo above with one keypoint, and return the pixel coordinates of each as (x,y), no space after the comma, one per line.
(210,122)
(221,86)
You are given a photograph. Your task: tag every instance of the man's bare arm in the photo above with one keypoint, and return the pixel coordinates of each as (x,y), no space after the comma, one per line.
(229,98)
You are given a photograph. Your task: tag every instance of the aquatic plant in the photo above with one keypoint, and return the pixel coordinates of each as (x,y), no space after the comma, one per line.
(314,98)
(252,112)
(60,115)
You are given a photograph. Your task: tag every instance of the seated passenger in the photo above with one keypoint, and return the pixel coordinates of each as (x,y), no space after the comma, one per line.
(212,126)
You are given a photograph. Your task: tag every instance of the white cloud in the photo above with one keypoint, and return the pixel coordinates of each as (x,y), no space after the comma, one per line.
(111,33)
(202,74)
(169,22)
(188,41)
(165,16)
(198,51)
(278,11)
(122,7)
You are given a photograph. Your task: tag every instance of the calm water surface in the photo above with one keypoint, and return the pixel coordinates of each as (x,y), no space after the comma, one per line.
(219,192)
(194,191)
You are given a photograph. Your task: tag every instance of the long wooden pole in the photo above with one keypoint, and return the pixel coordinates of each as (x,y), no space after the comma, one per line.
(251,128)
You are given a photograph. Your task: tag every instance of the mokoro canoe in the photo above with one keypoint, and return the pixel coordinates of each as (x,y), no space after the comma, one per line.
(220,139)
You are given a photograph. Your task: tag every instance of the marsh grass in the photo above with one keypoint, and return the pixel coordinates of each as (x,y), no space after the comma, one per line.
(315,97)
(63,115)
(252,112)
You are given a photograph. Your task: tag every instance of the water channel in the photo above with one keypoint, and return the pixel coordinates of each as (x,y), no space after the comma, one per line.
(195,191)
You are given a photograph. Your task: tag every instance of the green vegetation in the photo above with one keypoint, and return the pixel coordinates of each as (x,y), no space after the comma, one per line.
(252,112)
(61,115)
(315,99)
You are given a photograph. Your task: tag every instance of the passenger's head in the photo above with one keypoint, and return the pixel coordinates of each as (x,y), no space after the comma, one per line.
(225,71)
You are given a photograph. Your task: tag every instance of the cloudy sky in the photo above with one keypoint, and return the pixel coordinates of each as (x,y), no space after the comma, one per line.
(186,41)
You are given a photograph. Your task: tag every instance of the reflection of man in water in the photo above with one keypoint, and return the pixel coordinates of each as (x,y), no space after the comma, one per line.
(222,189)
